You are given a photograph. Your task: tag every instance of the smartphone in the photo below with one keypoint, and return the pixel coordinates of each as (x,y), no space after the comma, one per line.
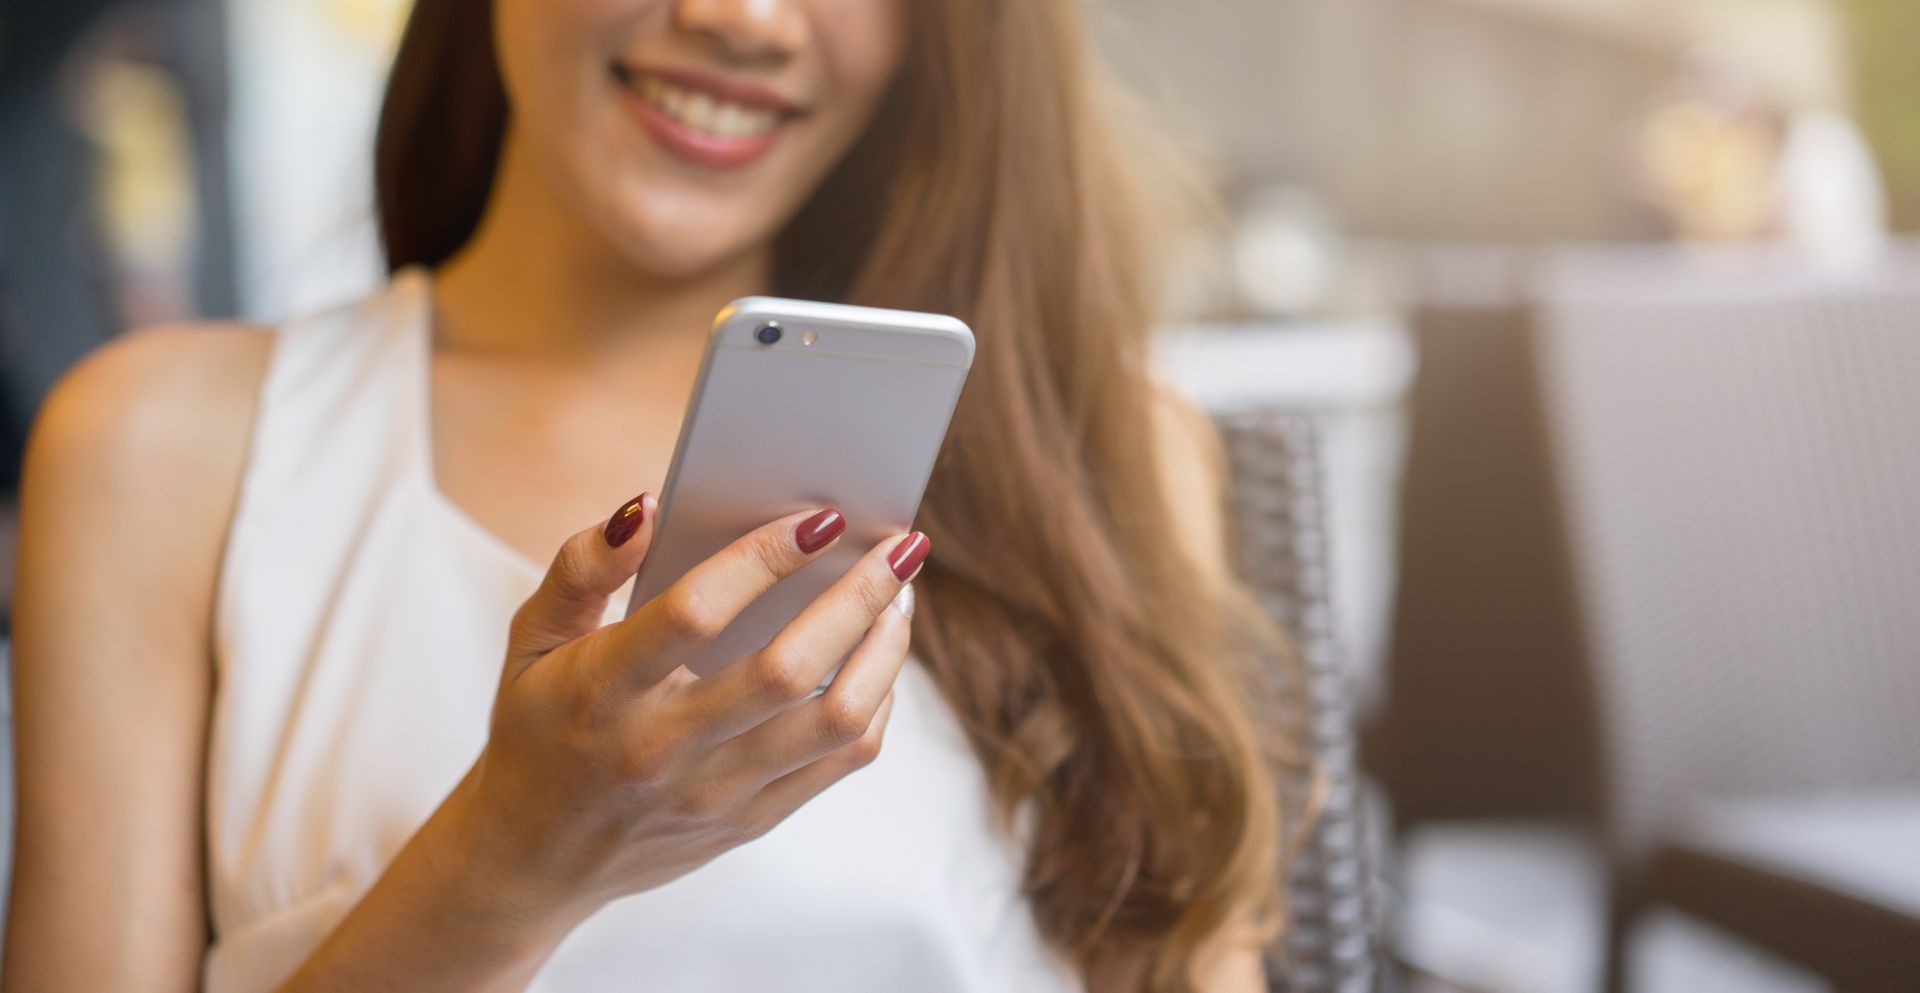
(802,405)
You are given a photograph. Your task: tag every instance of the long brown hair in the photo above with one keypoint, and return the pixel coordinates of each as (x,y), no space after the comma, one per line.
(1103,678)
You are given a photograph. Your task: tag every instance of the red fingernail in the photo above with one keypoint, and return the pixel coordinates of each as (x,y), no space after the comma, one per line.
(906,557)
(815,532)
(625,521)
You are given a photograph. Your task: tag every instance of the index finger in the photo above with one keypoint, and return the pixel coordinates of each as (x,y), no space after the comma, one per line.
(660,636)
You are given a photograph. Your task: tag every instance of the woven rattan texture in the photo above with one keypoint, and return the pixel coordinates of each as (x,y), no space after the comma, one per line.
(1739,457)
(1332,938)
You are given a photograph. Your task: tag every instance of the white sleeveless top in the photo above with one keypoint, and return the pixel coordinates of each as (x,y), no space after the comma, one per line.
(360,627)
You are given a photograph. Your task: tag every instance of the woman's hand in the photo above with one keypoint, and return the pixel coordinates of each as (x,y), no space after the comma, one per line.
(611,769)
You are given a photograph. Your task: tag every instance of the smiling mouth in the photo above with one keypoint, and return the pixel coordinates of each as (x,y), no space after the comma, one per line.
(704,110)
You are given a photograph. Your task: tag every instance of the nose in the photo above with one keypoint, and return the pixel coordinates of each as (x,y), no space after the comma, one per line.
(750,31)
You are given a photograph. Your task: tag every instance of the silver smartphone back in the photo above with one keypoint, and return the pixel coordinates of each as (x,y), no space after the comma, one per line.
(847,408)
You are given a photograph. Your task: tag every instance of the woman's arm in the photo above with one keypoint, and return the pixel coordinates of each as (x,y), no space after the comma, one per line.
(130,481)
(609,770)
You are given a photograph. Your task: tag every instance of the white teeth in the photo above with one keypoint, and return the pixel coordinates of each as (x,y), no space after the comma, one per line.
(700,112)
(704,112)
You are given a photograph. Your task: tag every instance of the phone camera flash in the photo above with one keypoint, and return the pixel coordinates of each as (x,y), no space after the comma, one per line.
(808,337)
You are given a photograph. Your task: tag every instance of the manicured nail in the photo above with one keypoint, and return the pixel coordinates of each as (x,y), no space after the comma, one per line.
(906,556)
(903,601)
(625,521)
(817,531)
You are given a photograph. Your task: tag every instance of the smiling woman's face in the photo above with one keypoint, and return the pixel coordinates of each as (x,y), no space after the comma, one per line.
(686,132)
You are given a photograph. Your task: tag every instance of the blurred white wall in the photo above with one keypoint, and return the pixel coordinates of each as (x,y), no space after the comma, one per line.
(1451,119)
(1446,119)
(306,83)
(1798,47)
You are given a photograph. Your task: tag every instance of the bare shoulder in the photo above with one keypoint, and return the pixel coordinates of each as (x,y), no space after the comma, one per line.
(148,434)
(157,395)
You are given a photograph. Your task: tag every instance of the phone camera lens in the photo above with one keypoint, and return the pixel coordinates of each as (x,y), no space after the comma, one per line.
(768,334)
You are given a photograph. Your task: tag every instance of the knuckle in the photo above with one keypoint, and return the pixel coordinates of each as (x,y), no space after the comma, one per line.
(689,614)
(772,550)
(783,676)
(871,590)
(842,720)
(573,572)
(864,750)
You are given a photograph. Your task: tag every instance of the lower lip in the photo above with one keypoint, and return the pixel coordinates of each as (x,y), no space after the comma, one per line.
(700,148)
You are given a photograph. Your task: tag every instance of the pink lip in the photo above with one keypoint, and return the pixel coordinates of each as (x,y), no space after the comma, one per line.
(697,147)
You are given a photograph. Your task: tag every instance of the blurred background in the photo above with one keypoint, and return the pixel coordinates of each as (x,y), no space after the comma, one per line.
(1603,316)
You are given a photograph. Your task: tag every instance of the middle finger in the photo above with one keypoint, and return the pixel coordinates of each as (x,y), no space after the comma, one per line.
(803,654)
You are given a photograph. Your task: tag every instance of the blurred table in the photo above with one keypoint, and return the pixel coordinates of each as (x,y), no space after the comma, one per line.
(1353,376)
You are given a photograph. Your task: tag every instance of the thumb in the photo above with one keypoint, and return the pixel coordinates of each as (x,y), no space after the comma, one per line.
(572,598)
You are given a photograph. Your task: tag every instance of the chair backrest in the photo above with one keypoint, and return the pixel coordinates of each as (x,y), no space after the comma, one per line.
(1489,709)
(1332,939)
(1738,456)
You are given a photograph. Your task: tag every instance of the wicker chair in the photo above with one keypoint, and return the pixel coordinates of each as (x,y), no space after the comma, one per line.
(1660,533)
(1332,939)
(1738,450)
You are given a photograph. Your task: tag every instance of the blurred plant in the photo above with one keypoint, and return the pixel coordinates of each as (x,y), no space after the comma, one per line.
(371,22)
(1733,157)
(1707,158)
(1885,33)
(135,114)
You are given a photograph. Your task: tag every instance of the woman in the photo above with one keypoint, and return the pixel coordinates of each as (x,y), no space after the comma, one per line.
(268,577)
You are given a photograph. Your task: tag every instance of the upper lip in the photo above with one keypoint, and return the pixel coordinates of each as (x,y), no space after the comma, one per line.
(731,90)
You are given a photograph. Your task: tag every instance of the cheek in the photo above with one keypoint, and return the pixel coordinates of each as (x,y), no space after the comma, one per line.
(550,53)
(863,43)
(567,125)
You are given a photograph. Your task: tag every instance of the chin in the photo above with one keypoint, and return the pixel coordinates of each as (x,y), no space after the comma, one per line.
(677,240)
